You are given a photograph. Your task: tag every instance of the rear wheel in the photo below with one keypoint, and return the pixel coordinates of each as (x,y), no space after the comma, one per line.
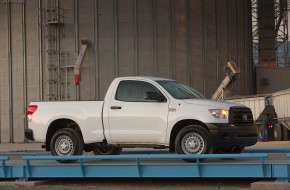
(277,132)
(260,132)
(285,133)
(192,139)
(232,150)
(107,151)
(66,142)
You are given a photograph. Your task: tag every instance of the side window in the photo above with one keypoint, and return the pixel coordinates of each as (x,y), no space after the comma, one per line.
(134,91)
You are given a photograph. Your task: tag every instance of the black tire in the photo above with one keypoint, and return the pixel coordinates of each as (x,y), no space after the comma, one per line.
(277,132)
(232,150)
(193,139)
(260,132)
(107,151)
(285,133)
(66,142)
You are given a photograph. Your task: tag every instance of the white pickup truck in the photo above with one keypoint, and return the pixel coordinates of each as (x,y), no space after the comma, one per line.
(143,112)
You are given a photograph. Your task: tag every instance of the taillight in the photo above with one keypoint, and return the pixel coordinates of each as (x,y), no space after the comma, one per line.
(31,109)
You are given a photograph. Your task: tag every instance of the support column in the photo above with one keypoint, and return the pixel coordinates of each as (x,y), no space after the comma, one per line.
(267,36)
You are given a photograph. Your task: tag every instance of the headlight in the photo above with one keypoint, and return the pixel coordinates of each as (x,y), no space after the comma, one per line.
(219,113)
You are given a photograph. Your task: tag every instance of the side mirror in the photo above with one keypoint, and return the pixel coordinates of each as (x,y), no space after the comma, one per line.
(155,96)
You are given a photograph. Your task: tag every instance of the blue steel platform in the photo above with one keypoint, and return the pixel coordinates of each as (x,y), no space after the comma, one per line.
(148,165)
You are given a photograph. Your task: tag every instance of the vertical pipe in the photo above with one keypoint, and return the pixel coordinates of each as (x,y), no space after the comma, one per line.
(24,64)
(204,66)
(96,48)
(40,50)
(172,62)
(10,92)
(286,29)
(76,39)
(238,43)
(115,10)
(58,80)
(246,64)
(228,32)
(136,66)
(189,70)
(154,17)
(217,44)
(237,31)
(0,114)
(252,76)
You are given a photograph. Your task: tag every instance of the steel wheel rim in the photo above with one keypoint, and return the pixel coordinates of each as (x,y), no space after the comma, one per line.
(192,143)
(64,146)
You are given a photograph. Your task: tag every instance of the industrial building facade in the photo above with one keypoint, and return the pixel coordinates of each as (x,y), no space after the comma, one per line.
(187,40)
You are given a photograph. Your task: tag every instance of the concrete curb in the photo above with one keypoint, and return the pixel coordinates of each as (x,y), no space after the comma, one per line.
(270,185)
(22,183)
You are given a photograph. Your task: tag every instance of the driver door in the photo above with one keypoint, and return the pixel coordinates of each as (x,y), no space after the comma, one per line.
(135,119)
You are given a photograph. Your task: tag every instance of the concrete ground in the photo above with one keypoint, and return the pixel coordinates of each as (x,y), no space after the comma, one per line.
(140,184)
(131,184)
(20,147)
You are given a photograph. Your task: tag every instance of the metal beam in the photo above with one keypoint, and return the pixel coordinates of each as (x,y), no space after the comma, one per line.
(142,166)
(152,165)
(10,82)
(24,67)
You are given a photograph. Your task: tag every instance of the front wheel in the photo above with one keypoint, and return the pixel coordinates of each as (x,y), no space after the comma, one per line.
(66,142)
(193,139)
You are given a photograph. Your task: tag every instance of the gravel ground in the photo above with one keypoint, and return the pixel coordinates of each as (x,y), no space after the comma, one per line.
(139,184)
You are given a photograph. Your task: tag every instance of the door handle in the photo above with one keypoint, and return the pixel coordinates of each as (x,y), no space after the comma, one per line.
(116,107)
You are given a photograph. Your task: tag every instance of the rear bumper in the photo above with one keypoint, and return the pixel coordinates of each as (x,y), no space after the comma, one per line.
(225,136)
(29,134)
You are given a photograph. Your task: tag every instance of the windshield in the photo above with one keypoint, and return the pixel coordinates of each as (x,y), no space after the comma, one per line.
(180,91)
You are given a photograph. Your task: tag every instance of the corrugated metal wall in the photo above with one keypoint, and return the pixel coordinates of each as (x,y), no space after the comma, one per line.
(270,80)
(188,40)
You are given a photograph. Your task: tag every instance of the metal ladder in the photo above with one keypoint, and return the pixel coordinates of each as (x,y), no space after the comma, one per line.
(51,22)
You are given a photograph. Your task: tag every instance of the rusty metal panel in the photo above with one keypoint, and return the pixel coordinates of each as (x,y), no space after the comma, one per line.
(197,45)
(145,38)
(222,41)
(245,53)
(106,44)
(210,44)
(86,20)
(163,38)
(17,108)
(181,40)
(125,11)
(4,110)
(32,29)
(233,30)
(269,80)
(67,51)
(240,46)
(267,33)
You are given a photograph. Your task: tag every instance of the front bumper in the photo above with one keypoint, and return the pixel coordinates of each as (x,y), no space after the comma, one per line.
(226,136)
(29,134)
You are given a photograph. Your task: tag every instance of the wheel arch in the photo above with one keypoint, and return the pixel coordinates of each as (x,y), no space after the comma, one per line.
(180,125)
(57,125)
